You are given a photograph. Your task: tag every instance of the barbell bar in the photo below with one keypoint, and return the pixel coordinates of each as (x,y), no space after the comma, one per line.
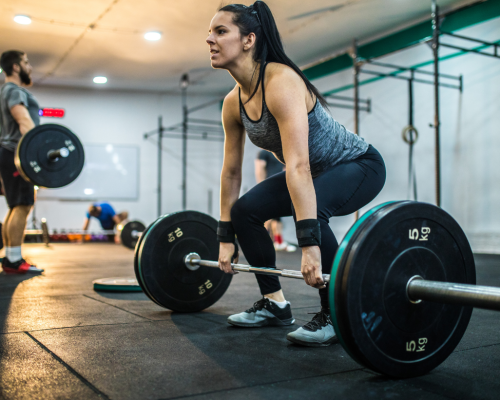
(417,288)
(129,232)
(193,262)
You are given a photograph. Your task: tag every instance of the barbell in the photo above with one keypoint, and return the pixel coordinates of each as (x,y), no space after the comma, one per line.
(49,156)
(401,289)
(129,232)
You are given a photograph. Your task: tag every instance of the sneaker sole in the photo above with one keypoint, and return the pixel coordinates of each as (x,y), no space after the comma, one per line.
(14,271)
(266,322)
(329,342)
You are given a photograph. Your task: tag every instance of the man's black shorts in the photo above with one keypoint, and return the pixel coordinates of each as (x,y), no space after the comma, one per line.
(18,192)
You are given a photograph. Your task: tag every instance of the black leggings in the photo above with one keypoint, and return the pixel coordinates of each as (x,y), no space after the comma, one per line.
(340,190)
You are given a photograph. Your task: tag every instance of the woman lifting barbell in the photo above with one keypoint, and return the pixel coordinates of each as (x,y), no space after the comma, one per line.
(330,171)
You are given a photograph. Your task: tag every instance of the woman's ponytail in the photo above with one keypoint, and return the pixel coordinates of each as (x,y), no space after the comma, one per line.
(259,19)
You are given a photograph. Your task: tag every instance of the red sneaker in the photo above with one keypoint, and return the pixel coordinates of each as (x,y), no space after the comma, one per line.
(19,267)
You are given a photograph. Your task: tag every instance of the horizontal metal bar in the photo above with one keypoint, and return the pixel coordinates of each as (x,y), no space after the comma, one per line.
(405,78)
(204,121)
(147,135)
(416,70)
(190,137)
(203,105)
(33,232)
(454,293)
(348,106)
(469,38)
(336,97)
(77,232)
(199,128)
(469,50)
(285,273)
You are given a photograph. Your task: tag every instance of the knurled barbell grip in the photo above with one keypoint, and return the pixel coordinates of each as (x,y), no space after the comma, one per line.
(190,260)
(454,293)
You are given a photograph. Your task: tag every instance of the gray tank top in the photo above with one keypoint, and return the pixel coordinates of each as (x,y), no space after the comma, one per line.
(330,143)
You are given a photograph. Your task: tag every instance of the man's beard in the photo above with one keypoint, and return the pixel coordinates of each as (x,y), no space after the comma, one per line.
(25,78)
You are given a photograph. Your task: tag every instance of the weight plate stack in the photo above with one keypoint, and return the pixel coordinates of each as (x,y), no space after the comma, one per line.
(160,266)
(375,320)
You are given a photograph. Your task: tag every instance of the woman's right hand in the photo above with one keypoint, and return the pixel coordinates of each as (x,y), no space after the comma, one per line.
(226,252)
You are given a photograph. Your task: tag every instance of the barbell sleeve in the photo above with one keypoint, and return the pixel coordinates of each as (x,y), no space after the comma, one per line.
(191,260)
(454,293)
(54,154)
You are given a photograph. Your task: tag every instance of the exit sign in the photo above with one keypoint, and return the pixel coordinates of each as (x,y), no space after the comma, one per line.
(51,112)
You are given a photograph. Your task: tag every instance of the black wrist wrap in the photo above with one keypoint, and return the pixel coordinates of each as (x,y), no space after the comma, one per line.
(225,232)
(308,232)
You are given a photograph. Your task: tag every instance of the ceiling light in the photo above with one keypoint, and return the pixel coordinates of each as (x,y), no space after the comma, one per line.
(100,79)
(22,19)
(152,36)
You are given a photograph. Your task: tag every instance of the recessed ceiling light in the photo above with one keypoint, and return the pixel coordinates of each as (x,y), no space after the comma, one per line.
(152,36)
(22,19)
(100,79)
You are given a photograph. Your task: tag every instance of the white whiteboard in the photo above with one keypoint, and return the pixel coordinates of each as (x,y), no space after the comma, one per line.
(110,172)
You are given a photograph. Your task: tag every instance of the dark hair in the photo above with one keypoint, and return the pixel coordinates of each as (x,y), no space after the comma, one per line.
(259,19)
(9,58)
(93,209)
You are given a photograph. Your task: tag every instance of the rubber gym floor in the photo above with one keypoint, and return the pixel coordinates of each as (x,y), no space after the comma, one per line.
(62,340)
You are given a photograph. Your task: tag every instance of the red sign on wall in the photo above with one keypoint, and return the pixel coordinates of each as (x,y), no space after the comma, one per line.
(51,112)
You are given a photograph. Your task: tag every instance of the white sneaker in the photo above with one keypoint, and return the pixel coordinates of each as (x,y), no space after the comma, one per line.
(318,332)
(284,246)
(263,313)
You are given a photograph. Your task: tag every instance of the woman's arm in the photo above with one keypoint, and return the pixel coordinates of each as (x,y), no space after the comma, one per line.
(230,177)
(286,96)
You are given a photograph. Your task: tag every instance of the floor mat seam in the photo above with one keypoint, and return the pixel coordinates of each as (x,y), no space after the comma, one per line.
(119,308)
(68,367)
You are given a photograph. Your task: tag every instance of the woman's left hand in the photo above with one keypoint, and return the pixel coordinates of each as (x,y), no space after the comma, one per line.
(311,267)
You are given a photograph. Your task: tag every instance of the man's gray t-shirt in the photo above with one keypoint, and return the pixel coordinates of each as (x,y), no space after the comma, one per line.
(11,95)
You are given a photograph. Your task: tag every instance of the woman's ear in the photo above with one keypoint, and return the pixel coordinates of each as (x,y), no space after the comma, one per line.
(249,41)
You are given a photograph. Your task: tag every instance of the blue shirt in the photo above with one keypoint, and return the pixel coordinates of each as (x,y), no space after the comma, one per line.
(106,215)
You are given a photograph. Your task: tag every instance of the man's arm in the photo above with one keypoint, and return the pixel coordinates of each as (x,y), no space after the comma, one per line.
(22,116)
(86,224)
(260,170)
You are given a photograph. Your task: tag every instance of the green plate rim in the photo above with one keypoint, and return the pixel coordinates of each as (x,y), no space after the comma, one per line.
(112,288)
(115,288)
(336,263)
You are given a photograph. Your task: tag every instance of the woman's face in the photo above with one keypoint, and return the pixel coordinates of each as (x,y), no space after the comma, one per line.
(224,39)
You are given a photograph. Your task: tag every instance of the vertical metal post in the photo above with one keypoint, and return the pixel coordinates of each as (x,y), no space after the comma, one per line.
(184,149)
(412,180)
(355,63)
(160,154)
(184,86)
(210,201)
(435,52)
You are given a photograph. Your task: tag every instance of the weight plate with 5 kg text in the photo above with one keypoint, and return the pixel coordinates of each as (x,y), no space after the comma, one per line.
(374,318)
